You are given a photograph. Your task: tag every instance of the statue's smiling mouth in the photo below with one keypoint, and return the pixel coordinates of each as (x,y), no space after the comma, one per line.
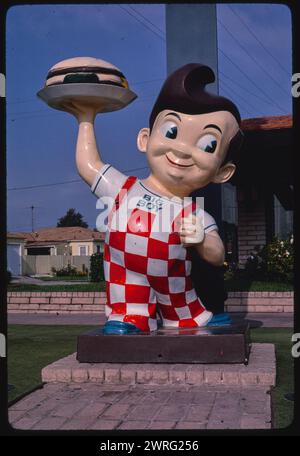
(180,165)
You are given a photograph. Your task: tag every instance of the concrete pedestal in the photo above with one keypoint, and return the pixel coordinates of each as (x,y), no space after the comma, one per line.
(227,344)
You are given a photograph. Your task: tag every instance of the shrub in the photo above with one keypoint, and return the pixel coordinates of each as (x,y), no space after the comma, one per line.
(278,259)
(82,273)
(96,267)
(229,269)
(253,266)
(70,271)
(66,271)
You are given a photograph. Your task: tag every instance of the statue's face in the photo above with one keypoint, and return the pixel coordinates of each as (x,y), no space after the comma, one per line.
(187,150)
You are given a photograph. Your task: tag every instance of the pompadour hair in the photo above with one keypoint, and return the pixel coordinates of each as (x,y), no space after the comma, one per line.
(184,91)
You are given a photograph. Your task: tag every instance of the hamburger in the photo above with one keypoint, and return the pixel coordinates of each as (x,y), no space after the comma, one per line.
(85,70)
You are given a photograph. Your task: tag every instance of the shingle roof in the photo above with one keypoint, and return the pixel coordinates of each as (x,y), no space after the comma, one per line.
(15,236)
(267,123)
(63,234)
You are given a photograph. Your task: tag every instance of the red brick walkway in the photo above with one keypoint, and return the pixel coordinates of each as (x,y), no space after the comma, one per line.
(156,396)
(88,406)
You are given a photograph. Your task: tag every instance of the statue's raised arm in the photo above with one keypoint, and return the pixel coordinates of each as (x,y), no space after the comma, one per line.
(84,87)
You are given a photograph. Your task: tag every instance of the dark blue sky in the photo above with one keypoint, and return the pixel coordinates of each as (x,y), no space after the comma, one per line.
(255,71)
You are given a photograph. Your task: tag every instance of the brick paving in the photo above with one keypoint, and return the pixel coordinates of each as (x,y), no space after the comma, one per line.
(96,406)
(109,396)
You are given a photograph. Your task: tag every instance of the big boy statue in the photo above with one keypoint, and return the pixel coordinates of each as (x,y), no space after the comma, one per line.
(191,141)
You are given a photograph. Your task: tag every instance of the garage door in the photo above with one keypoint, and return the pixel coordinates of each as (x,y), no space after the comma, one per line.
(14,259)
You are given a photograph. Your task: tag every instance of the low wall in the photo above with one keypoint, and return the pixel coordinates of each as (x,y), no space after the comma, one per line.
(260,301)
(56,302)
(93,302)
(42,264)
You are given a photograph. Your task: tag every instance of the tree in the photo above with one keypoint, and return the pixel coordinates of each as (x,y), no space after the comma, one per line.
(72,218)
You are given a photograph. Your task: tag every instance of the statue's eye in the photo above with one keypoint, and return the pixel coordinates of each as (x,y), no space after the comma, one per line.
(169,130)
(208,143)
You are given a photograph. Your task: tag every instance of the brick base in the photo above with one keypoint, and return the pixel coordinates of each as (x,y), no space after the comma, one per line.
(261,370)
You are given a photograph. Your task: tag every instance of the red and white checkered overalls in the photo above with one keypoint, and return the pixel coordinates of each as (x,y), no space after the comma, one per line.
(146,271)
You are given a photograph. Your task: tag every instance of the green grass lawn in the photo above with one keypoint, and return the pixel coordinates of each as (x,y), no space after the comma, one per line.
(281,337)
(63,278)
(89,286)
(230,285)
(243,284)
(30,348)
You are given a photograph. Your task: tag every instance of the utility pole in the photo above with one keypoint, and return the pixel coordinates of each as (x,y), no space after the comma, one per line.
(32,215)
(191,36)
(32,219)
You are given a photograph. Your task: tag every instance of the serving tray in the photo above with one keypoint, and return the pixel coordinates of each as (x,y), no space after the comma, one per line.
(105,97)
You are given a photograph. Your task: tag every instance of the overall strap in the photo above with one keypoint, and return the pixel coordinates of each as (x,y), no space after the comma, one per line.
(130,181)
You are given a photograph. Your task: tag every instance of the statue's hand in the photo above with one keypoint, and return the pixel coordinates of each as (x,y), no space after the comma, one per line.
(191,231)
(83,111)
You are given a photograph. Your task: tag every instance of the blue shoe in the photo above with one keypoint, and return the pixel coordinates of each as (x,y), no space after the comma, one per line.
(222,319)
(119,327)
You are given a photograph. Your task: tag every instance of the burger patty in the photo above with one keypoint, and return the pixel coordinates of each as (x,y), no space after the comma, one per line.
(87,74)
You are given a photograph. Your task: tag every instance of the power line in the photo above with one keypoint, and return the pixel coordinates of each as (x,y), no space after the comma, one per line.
(28,100)
(66,182)
(29,115)
(146,19)
(252,58)
(281,108)
(229,95)
(257,39)
(250,80)
(236,83)
(33,114)
(242,98)
(142,23)
(44,185)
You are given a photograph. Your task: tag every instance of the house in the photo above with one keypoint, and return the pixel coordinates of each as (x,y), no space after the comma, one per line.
(258,201)
(49,248)
(75,241)
(15,252)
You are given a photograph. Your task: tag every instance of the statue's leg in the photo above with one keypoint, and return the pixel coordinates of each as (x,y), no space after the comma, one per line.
(131,302)
(178,302)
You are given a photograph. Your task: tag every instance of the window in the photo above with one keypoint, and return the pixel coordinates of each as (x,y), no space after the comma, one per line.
(229,204)
(283,220)
(38,250)
(83,249)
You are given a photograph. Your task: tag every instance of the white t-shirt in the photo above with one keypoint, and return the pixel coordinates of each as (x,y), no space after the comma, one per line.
(108,183)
